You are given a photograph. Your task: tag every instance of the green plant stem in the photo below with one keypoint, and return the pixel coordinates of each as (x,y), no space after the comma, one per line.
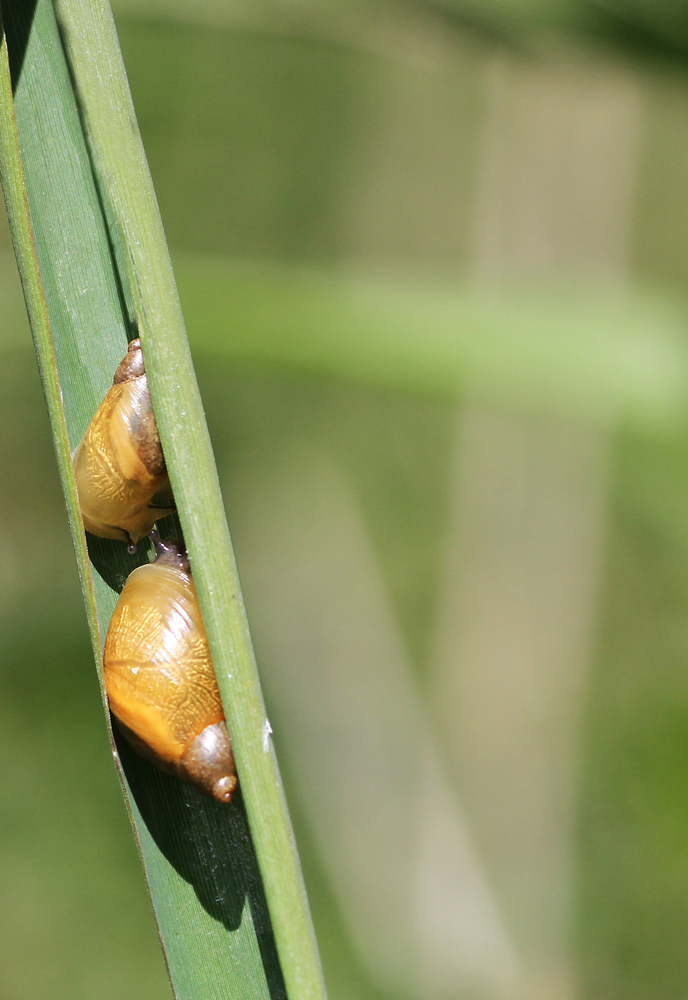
(16,203)
(125,182)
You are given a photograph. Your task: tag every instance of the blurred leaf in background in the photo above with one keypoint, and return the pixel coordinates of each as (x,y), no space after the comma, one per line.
(433,263)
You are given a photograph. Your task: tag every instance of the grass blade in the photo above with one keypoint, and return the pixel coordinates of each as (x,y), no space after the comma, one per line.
(93,259)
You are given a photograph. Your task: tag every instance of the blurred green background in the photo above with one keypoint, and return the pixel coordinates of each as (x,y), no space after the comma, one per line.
(433,258)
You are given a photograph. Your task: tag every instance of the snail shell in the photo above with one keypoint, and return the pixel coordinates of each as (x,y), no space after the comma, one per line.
(119,464)
(160,679)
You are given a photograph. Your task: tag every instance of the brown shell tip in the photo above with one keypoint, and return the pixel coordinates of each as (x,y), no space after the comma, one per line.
(209,764)
(131,366)
(224,788)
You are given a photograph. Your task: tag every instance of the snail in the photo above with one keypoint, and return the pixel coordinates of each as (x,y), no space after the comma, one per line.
(159,675)
(119,464)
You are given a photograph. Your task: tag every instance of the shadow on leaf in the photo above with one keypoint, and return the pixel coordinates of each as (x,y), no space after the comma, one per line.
(209,845)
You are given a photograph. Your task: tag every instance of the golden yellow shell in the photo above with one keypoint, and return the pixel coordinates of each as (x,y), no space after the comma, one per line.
(160,679)
(119,465)
(158,671)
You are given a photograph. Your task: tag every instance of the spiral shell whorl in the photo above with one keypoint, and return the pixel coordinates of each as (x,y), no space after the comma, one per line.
(119,464)
(160,679)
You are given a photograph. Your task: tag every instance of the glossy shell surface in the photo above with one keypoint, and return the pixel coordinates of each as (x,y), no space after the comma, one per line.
(160,679)
(119,465)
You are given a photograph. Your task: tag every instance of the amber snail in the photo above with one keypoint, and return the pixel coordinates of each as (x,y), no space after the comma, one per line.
(160,679)
(119,464)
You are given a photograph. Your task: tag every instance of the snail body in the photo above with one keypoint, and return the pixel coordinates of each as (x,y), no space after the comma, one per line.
(160,679)
(119,464)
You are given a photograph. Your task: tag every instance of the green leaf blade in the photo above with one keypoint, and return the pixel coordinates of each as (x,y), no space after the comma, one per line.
(206,872)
